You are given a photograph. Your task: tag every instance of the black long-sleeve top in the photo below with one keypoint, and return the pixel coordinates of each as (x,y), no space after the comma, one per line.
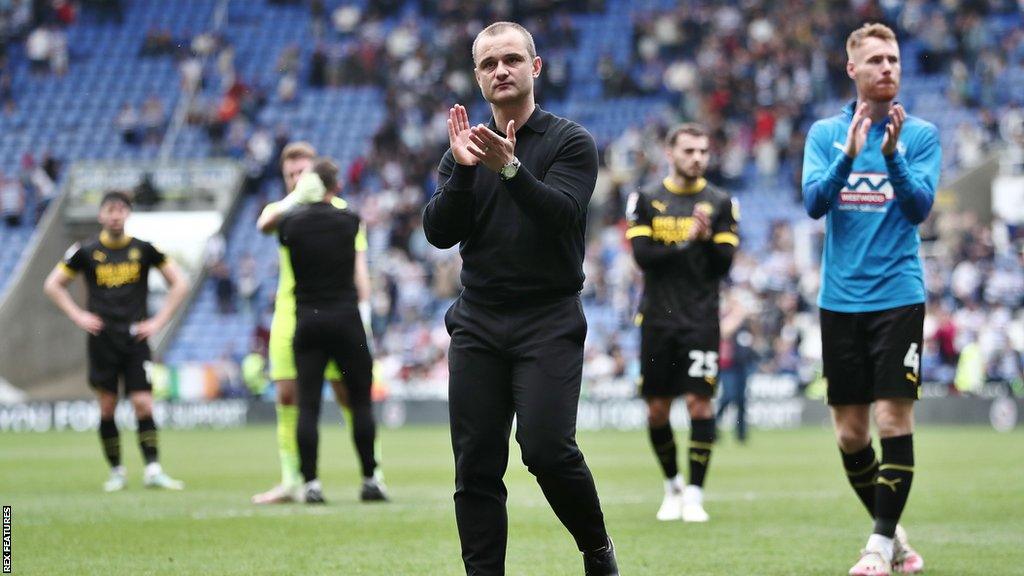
(322,240)
(681,278)
(521,240)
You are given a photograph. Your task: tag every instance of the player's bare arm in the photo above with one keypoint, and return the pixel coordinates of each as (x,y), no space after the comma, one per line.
(177,289)
(56,288)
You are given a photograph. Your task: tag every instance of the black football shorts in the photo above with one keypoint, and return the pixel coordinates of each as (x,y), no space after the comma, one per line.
(872,355)
(674,362)
(115,354)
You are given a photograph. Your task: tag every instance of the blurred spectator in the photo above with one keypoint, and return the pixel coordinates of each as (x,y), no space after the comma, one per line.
(158,42)
(58,53)
(12,201)
(127,123)
(229,377)
(37,49)
(205,44)
(190,70)
(42,185)
(737,360)
(259,151)
(345,18)
(614,79)
(554,82)
(224,287)
(51,165)
(147,195)
(214,251)
(153,119)
(248,282)
(7,102)
(288,61)
(318,67)
(65,11)
(317,17)
(287,88)
(970,142)
(226,65)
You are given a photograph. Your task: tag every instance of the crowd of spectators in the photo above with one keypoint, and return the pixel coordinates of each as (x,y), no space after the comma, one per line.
(25,195)
(753,75)
(144,124)
(40,25)
(750,71)
(421,65)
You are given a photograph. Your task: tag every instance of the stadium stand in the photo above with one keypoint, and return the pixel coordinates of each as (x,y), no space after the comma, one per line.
(364,87)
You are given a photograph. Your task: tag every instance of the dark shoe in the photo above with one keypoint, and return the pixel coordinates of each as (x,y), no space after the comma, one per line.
(373,490)
(601,562)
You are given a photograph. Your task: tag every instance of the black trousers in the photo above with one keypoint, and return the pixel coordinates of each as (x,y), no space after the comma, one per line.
(527,362)
(334,333)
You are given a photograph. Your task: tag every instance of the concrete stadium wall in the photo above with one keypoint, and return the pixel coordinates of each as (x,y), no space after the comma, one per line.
(41,351)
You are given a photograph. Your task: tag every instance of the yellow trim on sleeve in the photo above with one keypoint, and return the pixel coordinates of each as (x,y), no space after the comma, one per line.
(638,231)
(726,238)
(67,270)
(361,242)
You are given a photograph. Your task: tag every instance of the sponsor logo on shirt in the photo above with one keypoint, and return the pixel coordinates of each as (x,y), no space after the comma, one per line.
(117,274)
(866,192)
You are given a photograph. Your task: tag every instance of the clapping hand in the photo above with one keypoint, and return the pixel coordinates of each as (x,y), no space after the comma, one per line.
(700,229)
(897,115)
(490,148)
(857,135)
(459,136)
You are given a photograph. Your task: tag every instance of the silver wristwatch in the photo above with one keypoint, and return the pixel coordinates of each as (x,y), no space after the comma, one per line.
(509,171)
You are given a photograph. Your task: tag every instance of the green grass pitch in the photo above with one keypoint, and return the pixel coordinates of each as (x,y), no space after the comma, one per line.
(779,505)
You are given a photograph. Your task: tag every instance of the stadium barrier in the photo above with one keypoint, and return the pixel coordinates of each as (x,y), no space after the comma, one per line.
(1000,412)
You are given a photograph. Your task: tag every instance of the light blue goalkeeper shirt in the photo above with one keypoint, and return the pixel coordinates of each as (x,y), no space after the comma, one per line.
(872,206)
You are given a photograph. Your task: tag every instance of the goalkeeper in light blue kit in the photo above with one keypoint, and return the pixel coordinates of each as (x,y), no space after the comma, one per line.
(872,171)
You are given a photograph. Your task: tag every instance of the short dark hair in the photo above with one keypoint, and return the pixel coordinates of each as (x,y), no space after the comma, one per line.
(116,196)
(688,128)
(498,28)
(327,170)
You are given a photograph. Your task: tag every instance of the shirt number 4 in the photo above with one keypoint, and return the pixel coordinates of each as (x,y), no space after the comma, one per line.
(912,360)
